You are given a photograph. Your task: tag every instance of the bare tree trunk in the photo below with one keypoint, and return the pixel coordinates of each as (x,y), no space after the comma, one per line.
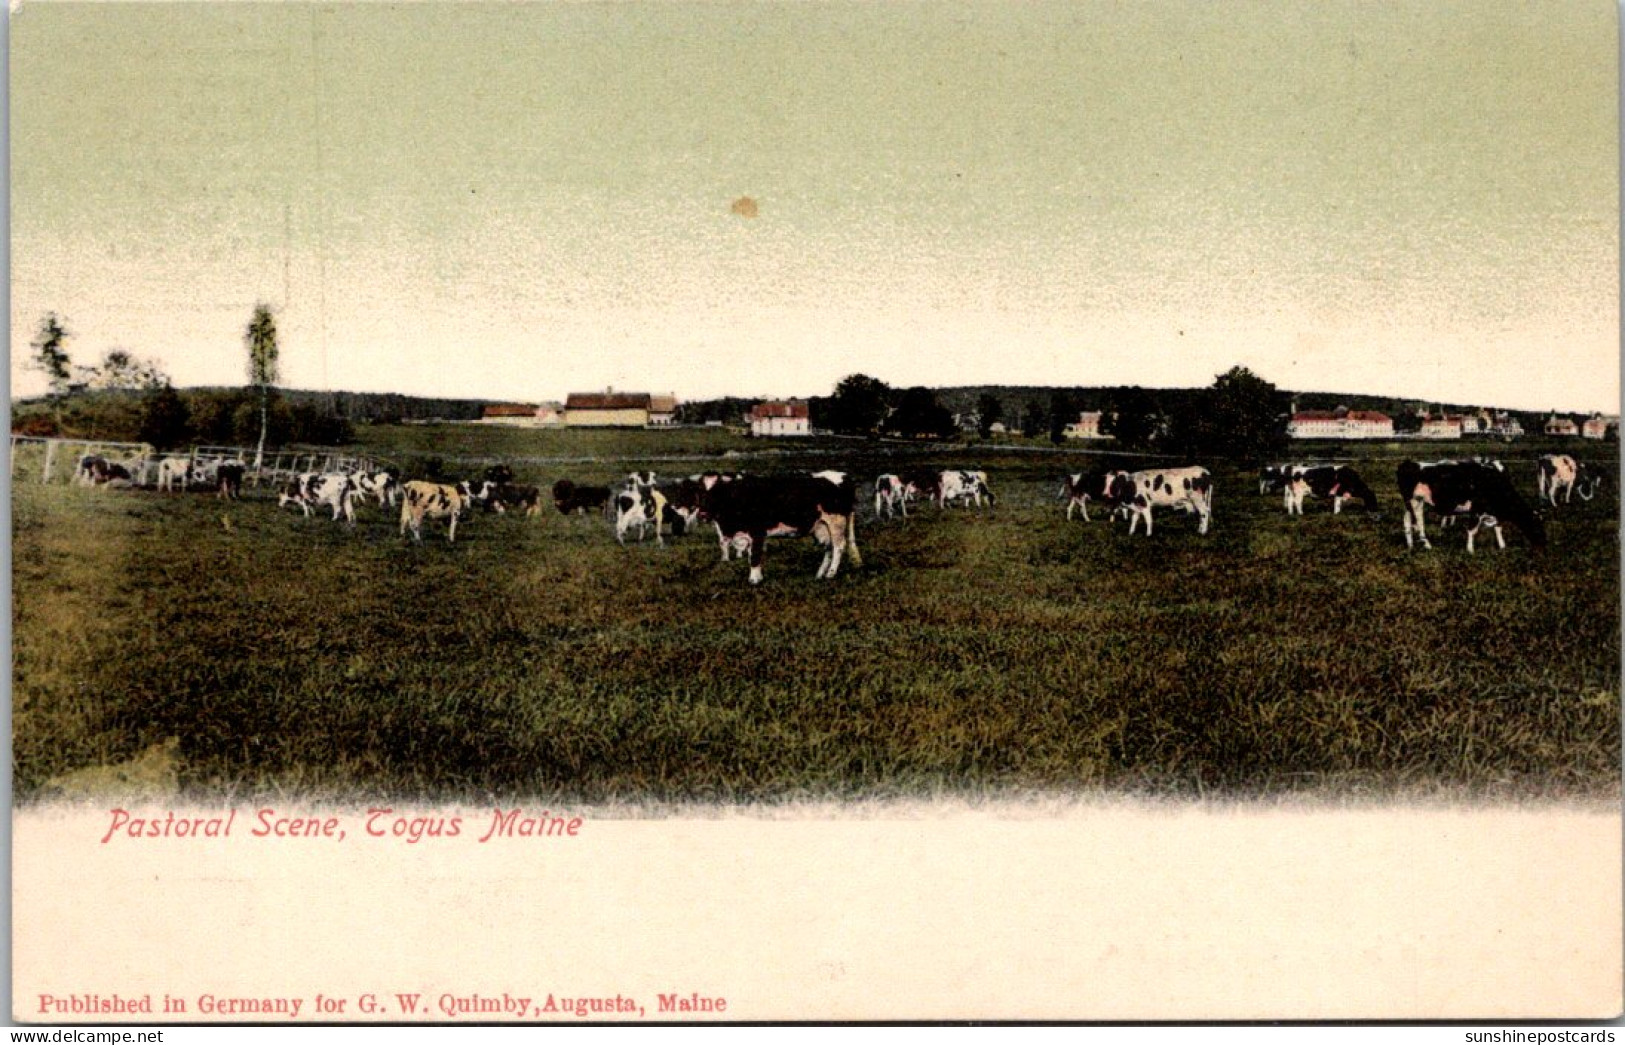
(259,451)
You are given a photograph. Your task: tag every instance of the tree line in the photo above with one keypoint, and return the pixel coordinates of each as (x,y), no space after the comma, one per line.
(1240,415)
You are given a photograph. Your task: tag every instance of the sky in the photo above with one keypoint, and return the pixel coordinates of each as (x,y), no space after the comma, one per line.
(517,201)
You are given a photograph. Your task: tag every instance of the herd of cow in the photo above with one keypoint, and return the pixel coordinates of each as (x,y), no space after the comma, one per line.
(746,510)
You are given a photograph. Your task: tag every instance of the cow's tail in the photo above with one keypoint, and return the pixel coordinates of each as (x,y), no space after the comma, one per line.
(852,540)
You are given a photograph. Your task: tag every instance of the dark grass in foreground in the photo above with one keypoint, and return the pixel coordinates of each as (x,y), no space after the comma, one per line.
(972,653)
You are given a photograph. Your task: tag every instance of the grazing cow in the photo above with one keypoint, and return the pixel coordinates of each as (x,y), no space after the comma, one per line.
(891,496)
(686,502)
(1339,482)
(1188,489)
(640,506)
(1560,473)
(1273,477)
(172,470)
(788,505)
(970,487)
(510,495)
(95,471)
(1466,489)
(313,490)
(382,485)
(1082,487)
(568,497)
(424,500)
(229,480)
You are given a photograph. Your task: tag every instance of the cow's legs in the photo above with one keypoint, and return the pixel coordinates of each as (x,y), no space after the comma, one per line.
(451,531)
(758,554)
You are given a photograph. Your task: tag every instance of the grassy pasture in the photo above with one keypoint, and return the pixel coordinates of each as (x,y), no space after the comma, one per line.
(994,652)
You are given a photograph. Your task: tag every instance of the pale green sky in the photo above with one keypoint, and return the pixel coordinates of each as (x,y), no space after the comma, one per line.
(520,200)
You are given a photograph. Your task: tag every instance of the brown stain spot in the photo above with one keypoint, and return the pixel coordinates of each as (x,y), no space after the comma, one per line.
(745,207)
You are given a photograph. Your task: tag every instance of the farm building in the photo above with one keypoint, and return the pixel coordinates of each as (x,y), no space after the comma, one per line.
(662,410)
(776,418)
(1341,423)
(508,414)
(522,415)
(607,409)
(1600,426)
(1087,426)
(1506,426)
(1561,426)
(1442,427)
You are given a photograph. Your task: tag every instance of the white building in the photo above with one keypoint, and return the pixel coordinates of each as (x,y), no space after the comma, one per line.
(1341,423)
(779,419)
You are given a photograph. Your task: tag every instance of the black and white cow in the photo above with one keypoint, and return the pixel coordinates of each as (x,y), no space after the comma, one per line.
(1082,487)
(1336,481)
(424,500)
(380,484)
(313,490)
(891,496)
(504,496)
(686,500)
(1469,490)
(969,487)
(229,479)
(1273,477)
(788,505)
(96,471)
(1189,489)
(173,471)
(568,497)
(1560,473)
(639,506)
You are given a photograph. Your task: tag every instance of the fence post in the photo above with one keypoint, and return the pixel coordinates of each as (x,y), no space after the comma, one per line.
(50,459)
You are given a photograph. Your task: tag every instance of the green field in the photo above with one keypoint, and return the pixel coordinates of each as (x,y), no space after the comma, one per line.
(1000,652)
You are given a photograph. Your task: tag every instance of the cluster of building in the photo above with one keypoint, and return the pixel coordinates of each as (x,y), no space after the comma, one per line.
(780,418)
(607,409)
(612,409)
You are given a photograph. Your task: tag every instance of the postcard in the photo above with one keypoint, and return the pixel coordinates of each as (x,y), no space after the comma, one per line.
(750,511)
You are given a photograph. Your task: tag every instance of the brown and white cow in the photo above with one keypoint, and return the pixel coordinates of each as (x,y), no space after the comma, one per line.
(787,505)
(424,500)
(1560,473)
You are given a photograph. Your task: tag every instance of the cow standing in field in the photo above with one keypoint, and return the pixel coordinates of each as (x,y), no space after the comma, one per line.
(788,505)
(172,470)
(891,496)
(1188,489)
(1080,488)
(687,501)
(1560,473)
(639,506)
(229,480)
(424,500)
(513,495)
(1465,489)
(381,484)
(313,490)
(568,497)
(1338,482)
(970,487)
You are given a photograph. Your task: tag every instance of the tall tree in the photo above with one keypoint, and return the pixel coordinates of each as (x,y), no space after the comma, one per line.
(918,414)
(1132,418)
(858,407)
(260,338)
(51,358)
(989,412)
(1063,410)
(124,372)
(1241,416)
